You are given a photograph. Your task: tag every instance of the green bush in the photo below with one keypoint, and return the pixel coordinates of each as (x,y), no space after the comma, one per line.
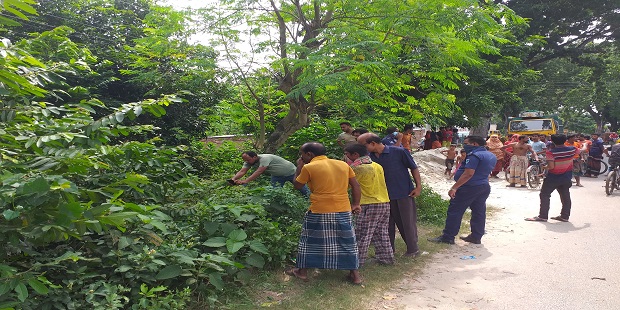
(323,131)
(431,207)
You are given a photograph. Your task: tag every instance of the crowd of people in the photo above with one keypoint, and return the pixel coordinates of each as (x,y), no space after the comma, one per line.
(384,179)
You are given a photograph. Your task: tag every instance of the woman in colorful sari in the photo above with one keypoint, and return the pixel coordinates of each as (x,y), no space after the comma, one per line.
(495,146)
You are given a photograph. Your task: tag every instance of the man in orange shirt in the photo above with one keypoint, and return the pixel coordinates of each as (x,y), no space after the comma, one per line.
(577,167)
(327,238)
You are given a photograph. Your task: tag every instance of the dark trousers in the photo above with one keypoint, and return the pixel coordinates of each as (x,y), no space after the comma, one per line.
(562,185)
(280,180)
(473,197)
(404,215)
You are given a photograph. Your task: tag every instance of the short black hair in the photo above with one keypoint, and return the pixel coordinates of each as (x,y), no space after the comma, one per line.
(407,127)
(373,138)
(345,123)
(559,138)
(596,133)
(390,130)
(477,139)
(356,148)
(315,148)
(568,137)
(523,136)
(587,137)
(360,131)
(250,153)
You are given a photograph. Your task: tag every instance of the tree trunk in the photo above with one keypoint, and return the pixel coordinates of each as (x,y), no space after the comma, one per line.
(483,128)
(297,118)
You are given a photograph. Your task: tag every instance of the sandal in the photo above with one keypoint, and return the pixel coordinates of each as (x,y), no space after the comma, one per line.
(350,280)
(559,218)
(294,272)
(535,219)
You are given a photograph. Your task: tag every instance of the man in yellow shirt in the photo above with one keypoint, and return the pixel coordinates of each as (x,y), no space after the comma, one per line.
(371,225)
(327,238)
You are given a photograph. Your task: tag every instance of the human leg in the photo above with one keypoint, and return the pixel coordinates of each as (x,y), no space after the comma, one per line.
(380,238)
(456,209)
(327,241)
(564,191)
(548,186)
(407,217)
(280,180)
(393,222)
(512,170)
(364,228)
(479,211)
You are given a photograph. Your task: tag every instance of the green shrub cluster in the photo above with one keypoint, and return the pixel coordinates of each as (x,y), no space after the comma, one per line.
(431,207)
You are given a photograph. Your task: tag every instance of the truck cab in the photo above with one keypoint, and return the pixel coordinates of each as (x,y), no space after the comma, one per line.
(533,122)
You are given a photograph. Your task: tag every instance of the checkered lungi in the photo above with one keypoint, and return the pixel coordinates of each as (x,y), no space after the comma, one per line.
(371,227)
(327,242)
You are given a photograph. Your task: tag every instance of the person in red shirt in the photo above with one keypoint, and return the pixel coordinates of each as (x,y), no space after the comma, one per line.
(560,165)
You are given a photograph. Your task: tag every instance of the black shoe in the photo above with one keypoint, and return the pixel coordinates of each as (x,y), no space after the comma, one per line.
(471,239)
(440,239)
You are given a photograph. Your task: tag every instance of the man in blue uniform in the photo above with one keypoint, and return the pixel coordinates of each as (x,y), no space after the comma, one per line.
(471,190)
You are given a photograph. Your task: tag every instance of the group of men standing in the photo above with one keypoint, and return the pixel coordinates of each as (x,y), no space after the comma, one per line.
(384,180)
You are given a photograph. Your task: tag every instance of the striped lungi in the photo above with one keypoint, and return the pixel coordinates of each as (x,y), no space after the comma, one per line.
(518,170)
(327,242)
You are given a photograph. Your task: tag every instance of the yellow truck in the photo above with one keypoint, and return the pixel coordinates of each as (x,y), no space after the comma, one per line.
(533,122)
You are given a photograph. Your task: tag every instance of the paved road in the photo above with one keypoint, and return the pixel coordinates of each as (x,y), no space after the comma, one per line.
(529,265)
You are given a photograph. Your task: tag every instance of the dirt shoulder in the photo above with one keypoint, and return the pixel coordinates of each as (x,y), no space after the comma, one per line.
(522,265)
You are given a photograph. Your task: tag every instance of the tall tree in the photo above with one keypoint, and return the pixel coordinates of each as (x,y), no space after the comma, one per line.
(567,27)
(143,51)
(377,58)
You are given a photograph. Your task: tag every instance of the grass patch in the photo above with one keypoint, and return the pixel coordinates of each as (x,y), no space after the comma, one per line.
(328,289)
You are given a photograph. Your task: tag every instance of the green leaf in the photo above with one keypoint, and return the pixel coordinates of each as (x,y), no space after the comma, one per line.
(216,280)
(255,260)
(169,272)
(10,214)
(4,288)
(22,292)
(258,247)
(38,286)
(237,235)
(215,242)
(211,227)
(234,246)
(39,185)
(124,242)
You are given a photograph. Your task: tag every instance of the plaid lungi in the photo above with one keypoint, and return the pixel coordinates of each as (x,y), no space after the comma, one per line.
(371,227)
(327,242)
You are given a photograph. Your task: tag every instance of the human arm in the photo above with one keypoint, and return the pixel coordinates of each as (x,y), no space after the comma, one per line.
(418,182)
(253,176)
(508,145)
(300,165)
(529,148)
(356,195)
(240,173)
(467,174)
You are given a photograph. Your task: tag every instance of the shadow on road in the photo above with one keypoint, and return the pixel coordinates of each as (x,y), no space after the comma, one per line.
(561,227)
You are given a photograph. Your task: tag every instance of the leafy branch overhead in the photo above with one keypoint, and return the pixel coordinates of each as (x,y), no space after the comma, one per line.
(394,61)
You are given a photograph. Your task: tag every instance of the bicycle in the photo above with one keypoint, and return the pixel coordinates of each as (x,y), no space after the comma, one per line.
(612,182)
(535,173)
(584,167)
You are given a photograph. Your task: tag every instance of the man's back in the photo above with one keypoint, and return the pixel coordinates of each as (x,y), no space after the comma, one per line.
(562,157)
(372,182)
(328,180)
(276,165)
(395,162)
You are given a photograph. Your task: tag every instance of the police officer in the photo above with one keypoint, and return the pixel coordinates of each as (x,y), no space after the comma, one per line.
(471,190)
